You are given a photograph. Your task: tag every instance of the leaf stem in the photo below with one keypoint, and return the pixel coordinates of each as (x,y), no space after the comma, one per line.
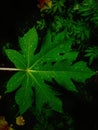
(9,69)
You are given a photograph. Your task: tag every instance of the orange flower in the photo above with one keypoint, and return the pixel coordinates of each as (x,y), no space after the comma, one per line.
(20,121)
(44,4)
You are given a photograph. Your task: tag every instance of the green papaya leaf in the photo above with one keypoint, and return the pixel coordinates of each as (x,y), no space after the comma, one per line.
(55,60)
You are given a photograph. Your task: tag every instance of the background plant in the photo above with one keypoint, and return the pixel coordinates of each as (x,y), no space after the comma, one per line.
(92,53)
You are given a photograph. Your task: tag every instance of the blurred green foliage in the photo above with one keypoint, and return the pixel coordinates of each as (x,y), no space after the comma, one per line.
(92,53)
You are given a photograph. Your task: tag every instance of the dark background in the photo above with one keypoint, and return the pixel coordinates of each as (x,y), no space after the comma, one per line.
(13,15)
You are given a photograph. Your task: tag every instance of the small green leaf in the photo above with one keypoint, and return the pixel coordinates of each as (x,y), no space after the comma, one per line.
(88,54)
(92,53)
(91,60)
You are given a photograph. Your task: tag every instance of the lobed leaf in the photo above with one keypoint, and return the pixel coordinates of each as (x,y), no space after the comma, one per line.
(16,58)
(14,82)
(44,93)
(24,95)
(28,45)
(54,61)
